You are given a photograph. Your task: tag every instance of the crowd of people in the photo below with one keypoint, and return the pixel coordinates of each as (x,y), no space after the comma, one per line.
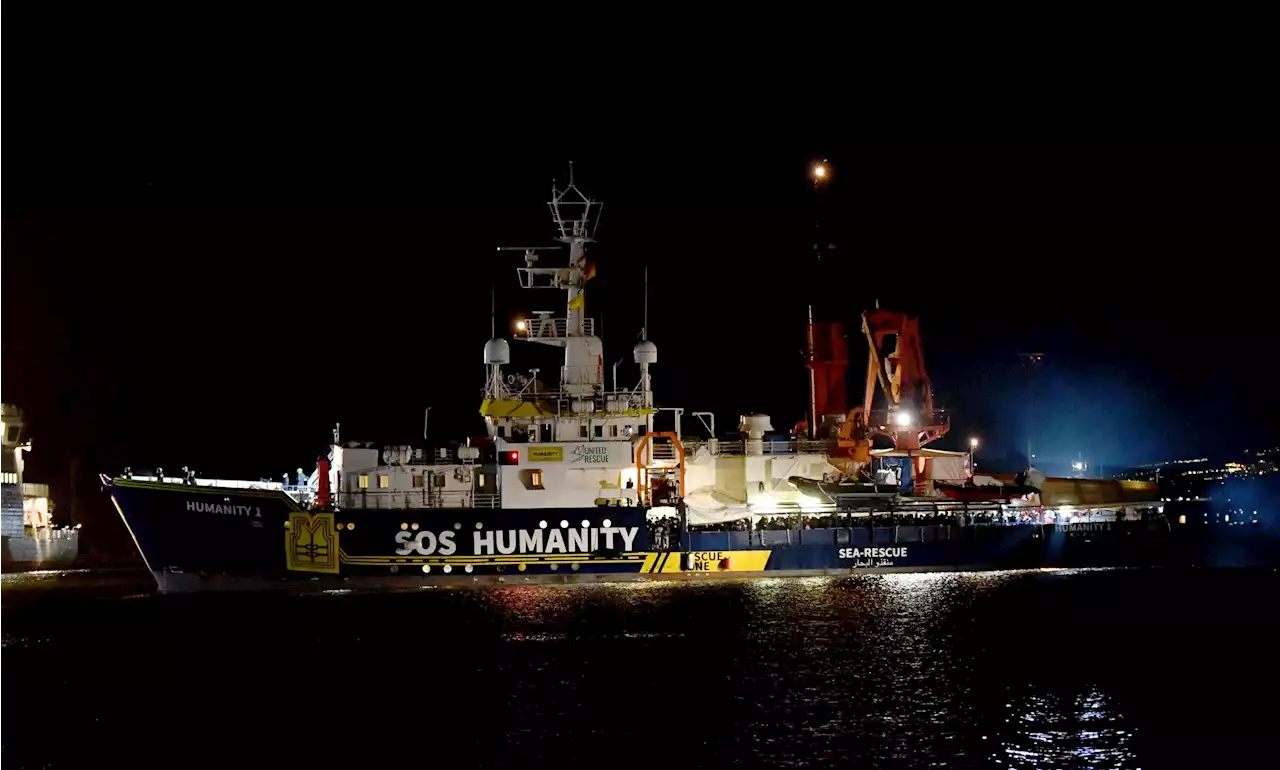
(665,530)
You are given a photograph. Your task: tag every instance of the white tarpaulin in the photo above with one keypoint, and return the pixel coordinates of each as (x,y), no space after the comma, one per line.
(705,509)
(950,469)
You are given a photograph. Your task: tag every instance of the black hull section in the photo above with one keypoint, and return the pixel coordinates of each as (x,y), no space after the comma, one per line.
(201,537)
(201,529)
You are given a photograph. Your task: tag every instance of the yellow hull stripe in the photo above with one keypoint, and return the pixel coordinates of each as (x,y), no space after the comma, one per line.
(710,561)
(668,562)
(664,562)
(627,558)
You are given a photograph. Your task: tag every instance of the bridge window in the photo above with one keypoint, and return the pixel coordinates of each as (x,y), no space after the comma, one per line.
(364,481)
(599,431)
(383,481)
(582,430)
(419,482)
(547,435)
(535,479)
(613,431)
(480,480)
(437,479)
(502,431)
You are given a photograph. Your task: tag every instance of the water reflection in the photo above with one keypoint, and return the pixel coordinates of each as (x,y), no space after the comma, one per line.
(1054,730)
(855,668)
(1015,669)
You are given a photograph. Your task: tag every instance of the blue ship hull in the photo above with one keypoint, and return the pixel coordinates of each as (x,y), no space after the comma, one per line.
(206,537)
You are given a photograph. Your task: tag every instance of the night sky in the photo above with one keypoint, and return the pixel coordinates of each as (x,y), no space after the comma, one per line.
(223,304)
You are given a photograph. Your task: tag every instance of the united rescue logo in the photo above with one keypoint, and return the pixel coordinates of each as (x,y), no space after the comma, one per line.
(591,455)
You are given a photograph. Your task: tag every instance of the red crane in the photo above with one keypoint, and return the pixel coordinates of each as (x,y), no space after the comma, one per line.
(896,362)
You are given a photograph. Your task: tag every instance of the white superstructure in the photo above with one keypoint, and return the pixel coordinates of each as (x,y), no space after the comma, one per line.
(569,438)
(27,510)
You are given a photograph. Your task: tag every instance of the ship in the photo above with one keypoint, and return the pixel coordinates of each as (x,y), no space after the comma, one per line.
(29,537)
(572,481)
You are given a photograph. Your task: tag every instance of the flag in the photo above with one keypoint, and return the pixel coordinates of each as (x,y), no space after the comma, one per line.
(576,302)
(589,272)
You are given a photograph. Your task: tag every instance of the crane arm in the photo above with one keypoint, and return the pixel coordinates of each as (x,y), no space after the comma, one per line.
(901,374)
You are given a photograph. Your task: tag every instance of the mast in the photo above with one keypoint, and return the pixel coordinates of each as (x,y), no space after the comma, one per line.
(575,217)
(826,350)
(644,330)
(582,392)
(613,427)
(813,382)
(646,353)
(819,174)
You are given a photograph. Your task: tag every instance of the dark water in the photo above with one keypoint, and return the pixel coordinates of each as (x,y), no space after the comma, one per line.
(1130,668)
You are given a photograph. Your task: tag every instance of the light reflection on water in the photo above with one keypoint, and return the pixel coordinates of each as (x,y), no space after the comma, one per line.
(21,578)
(1049,730)
(857,669)
(1011,669)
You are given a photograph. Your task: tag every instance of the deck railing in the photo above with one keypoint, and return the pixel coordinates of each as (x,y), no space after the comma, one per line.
(395,500)
(564,403)
(715,446)
(51,533)
(552,328)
